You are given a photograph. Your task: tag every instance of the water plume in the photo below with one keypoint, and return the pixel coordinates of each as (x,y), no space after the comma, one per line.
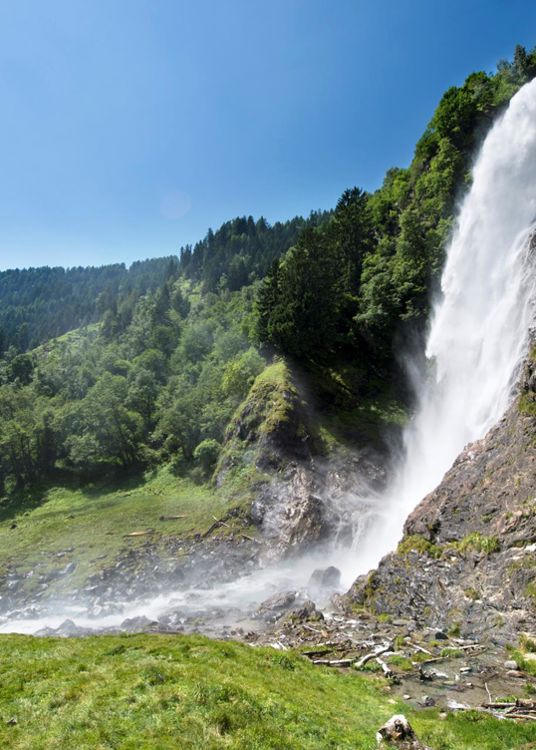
(479,329)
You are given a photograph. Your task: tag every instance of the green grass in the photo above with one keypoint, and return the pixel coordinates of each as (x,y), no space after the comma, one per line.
(418,543)
(93,523)
(527,404)
(169,692)
(479,543)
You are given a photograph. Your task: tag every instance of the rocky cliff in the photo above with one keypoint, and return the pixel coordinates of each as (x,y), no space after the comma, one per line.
(274,449)
(467,558)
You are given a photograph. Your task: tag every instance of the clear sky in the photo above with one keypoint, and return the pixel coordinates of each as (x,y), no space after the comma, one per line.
(128,127)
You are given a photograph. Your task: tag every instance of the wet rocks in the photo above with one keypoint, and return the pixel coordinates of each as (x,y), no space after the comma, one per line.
(307,611)
(324,580)
(138,624)
(463,564)
(276,605)
(67,629)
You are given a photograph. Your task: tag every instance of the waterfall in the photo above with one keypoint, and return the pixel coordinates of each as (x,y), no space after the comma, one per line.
(477,340)
(479,328)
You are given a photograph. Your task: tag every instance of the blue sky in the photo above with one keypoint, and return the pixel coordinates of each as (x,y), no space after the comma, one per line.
(128,127)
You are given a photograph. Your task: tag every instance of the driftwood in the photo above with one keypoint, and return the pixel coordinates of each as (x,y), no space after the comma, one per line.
(221,523)
(388,672)
(218,522)
(313,630)
(140,533)
(519,709)
(211,528)
(420,648)
(324,648)
(173,518)
(498,705)
(334,662)
(378,652)
(456,648)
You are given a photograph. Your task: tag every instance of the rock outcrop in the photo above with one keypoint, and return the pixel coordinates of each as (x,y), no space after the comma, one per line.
(467,559)
(273,447)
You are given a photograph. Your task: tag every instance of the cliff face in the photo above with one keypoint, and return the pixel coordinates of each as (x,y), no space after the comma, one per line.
(467,558)
(274,449)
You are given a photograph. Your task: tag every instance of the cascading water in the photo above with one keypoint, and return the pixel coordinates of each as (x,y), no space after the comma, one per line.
(479,327)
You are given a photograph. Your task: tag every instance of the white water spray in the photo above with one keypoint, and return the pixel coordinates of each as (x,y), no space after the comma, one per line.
(479,328)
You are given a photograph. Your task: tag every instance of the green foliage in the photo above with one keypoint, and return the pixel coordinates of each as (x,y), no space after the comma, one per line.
(149,392)
(306,303)
(241,372)
(206,454)
(173,354)
(527,404)
(241,251)
(471,593)
(475,541)
(418,543)
(41,303)
(92,523)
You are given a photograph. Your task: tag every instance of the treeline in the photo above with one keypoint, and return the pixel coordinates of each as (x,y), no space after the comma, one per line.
(37,304)
(162,389)
(242,250)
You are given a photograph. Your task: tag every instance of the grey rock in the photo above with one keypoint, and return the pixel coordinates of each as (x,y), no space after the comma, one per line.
(325,579)
(138,624)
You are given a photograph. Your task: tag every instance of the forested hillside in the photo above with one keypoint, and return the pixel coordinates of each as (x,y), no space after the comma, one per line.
(166,350)
(37,304)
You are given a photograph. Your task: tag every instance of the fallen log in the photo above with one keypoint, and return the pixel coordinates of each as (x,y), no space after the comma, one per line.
(313,630)
(324,649)
(420,648)
(377,652)
(221,523)
(498,705)
(388,672)
(334,662)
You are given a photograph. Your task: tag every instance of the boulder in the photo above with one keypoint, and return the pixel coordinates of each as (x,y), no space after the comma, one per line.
(398,732)
(307,611)
(324,579)
(137,624)
(273,607)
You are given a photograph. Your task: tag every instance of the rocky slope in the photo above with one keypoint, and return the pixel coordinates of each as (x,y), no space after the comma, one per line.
(467,559)
(296,483)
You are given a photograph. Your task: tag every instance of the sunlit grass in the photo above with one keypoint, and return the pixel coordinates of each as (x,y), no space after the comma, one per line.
(171,692)
(90,526)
